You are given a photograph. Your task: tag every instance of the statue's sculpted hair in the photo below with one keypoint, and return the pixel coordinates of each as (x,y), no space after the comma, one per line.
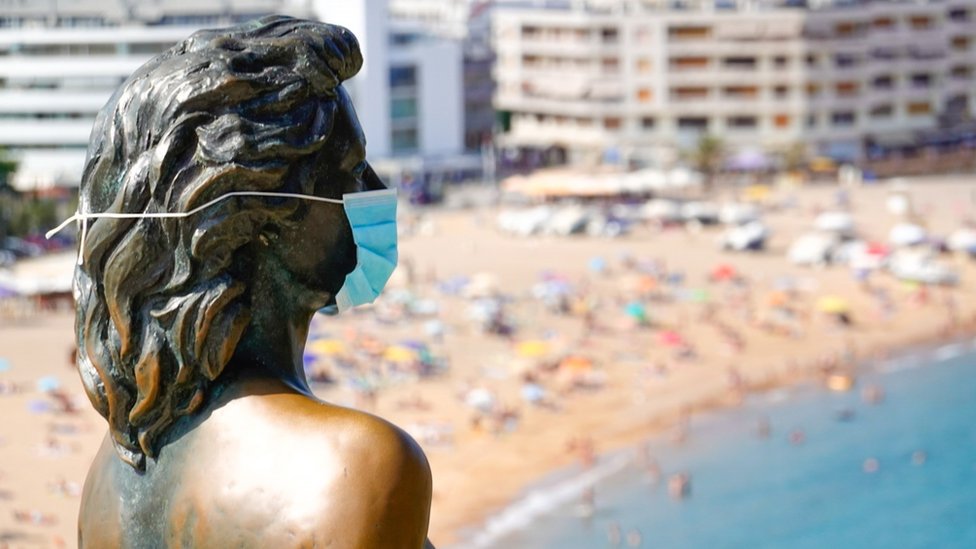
(162,303)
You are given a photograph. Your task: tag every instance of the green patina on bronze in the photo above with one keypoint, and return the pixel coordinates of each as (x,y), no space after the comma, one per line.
(191,331)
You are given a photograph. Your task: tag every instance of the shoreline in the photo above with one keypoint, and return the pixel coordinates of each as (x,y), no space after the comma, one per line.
(621,452)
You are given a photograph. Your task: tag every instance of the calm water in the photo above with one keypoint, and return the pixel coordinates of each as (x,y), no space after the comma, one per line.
(752,492)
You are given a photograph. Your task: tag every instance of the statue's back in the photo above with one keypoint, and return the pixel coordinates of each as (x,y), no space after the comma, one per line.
(269,470)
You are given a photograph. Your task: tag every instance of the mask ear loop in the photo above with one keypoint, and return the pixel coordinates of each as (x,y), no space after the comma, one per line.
(83,218)
(84,237)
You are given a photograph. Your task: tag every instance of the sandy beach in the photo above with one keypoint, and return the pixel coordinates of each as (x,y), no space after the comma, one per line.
(549,385)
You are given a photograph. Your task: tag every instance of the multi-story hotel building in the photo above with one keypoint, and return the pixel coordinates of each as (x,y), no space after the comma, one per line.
(631,76)
(60,61)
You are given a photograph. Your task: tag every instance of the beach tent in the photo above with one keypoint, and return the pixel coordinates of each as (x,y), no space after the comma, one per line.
(812,249)
(737,213)
(907,234)
(838,222)
(962,240)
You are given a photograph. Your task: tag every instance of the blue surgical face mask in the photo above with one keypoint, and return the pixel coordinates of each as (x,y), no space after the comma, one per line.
(372,217)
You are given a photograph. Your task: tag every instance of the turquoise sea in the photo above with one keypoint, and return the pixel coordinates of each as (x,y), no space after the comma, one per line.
(753,492)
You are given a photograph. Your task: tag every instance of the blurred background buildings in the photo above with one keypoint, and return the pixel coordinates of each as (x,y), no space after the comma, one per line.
(453,88)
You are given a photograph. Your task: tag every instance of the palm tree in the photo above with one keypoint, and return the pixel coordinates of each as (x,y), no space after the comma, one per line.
(707,158)
(7,167)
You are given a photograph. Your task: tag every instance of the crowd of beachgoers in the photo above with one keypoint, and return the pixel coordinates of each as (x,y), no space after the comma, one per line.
(509,351)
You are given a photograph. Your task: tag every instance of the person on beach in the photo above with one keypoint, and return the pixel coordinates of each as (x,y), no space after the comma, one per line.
(191,328)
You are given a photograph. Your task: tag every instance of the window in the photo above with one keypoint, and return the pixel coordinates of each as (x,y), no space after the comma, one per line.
(959,14)
(921,80)
(643,65)
(609,35)
(689,32)
(741,122)
(811,121)
(781,92)
(780,61)
(960,43)
(610,64)
(812,60)
(612,123)
(782,120)
(645,95)
(920,22)
(847,89)
(813,89)
(882,111)
(843,118)
(647,123)
(886,53)
(883,82)
(147,49)
(684,93)
(961,72)
(845,60)
(401,108)
(739,62)
(741,92)
(685,63)
(693,123)
(405,76)
(405,140)
(883,23)
(920,108)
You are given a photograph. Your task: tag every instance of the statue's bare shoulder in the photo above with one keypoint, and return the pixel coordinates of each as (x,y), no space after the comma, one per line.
(337,467)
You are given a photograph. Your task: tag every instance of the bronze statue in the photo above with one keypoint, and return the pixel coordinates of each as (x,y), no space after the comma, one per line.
(191,329)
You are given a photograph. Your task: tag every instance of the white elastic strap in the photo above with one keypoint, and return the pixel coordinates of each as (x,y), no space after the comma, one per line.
(84,217)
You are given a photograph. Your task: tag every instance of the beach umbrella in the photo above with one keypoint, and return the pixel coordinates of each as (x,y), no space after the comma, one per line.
(480,399)
(8,291)
(48,383)
(833,304)
(697,295)
(636,310)
(482,285)
(597,264)
(533,348)
(823,164)
(4,365)
(724,271)
(748,160)
(777,298)
(670,338)
(533,393)
(328,347)
(400,354)
(877,249)
(646,284)
(576,364)
(756,193)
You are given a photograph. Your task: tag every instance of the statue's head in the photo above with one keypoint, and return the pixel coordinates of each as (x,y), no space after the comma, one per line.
(163,303)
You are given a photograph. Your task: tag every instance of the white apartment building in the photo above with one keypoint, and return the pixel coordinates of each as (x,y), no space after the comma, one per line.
(631,77)
(60,61)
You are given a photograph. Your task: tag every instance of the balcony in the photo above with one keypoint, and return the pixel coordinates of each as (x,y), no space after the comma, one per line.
(45,132)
